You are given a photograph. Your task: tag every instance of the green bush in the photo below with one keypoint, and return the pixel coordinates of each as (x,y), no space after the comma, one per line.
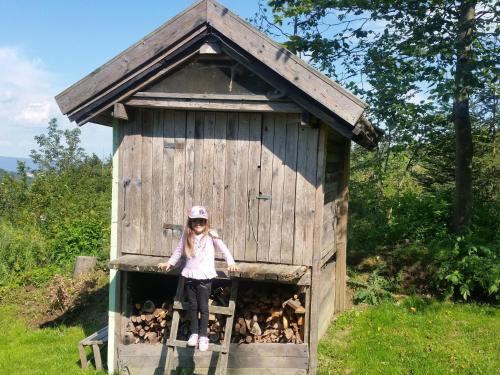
(371,288)
(469,271)
(22,250)
(84,235)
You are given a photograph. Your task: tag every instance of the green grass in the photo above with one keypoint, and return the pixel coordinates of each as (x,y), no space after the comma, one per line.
(414,337)
(25,350)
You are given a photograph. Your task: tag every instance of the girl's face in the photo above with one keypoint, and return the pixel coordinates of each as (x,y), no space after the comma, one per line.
(198,225)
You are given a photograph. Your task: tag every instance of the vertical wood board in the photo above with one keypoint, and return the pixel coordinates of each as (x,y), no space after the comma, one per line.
(254,150)
(230,179)
(178,212)
(241,207)
(278,178)
(190,160)
(219,171)
(208,162)
(168,178)
(265,188)
(131,219)
(198,157)
(157,246)
(289,185)
(146,177)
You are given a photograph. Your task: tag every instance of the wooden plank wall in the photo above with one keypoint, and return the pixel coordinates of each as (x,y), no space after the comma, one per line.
(171,160)
(334,174)
(327,297)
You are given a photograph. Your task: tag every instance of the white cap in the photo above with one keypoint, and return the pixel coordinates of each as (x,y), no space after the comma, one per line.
(198,212)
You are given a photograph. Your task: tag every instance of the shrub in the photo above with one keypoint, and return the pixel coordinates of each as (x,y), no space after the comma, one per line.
(22,250)
(468,271)
(371,288)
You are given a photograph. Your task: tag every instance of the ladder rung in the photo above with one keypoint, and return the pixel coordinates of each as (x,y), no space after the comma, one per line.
(183,344)
(211,309)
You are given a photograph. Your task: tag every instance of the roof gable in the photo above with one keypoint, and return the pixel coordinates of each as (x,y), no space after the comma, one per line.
(149,59)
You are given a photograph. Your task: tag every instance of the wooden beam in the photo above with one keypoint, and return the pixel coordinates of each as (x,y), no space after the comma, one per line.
(284,273)
(225,97)
(120,112)
(214,105)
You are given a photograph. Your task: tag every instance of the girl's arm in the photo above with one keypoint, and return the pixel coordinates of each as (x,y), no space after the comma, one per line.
(221,246)
(176,255)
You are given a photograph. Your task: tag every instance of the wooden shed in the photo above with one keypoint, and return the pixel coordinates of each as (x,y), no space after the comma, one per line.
(208,110)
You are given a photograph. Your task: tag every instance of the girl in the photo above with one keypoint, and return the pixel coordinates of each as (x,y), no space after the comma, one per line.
(198,243)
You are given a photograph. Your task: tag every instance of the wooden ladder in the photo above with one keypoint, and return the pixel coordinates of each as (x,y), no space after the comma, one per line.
(223,348)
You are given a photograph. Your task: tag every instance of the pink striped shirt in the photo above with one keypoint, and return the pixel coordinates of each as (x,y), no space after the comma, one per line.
(202,265)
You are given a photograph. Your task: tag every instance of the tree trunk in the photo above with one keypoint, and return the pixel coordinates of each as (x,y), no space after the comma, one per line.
(461,117)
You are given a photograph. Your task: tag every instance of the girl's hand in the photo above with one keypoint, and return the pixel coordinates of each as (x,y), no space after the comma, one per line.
(164,266)
(233,268)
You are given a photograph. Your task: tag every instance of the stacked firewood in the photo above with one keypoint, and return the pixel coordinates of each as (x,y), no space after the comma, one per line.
(268,318)
(149,323)
(261,317)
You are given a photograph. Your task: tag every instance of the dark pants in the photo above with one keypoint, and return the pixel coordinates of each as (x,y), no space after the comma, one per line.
(198,292)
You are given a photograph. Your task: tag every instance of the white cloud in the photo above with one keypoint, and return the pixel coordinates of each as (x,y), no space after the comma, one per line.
(27,104)
(24,89)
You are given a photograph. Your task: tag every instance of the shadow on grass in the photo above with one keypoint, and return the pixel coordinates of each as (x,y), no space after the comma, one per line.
(88,311)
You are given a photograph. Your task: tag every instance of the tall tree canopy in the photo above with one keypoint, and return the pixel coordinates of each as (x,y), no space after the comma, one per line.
(421,65)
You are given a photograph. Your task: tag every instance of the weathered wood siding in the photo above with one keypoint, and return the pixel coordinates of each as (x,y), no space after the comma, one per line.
(334,177)
(256,174)
(327,297)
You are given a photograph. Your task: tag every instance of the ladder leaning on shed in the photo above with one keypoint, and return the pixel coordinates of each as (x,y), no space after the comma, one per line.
(223,349)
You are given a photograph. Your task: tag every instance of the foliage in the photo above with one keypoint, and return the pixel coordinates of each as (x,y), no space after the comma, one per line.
(371,289)
(52,155)
(469,270)
(416,336)
(62,213)
(411,64)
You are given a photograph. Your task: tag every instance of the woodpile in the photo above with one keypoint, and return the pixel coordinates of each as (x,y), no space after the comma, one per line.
(261,317)
(149,323)
(264,317)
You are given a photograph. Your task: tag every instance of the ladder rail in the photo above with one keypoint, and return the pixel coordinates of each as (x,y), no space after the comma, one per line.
(223,348)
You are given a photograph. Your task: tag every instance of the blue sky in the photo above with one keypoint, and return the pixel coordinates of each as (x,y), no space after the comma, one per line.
(46,46)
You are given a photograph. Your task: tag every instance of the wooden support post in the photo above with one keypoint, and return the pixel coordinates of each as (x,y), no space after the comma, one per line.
(114,275)
(316,262)
(341,235)
(97,356)
(83,356)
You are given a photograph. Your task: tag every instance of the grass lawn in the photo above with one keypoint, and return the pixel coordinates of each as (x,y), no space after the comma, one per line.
(25,350)
(414,337)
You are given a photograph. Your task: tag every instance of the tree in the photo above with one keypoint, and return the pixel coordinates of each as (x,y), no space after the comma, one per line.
(414,62)
(53,155)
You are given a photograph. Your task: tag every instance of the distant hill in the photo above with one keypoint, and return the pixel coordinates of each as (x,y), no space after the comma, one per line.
(9,163)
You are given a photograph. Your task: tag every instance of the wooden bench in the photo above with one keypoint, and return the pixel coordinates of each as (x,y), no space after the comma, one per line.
(97,338)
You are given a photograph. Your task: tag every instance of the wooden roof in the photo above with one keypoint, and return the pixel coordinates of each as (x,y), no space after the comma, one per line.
(178,40)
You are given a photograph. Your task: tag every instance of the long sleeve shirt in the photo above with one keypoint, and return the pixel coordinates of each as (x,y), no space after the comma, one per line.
(202,264)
